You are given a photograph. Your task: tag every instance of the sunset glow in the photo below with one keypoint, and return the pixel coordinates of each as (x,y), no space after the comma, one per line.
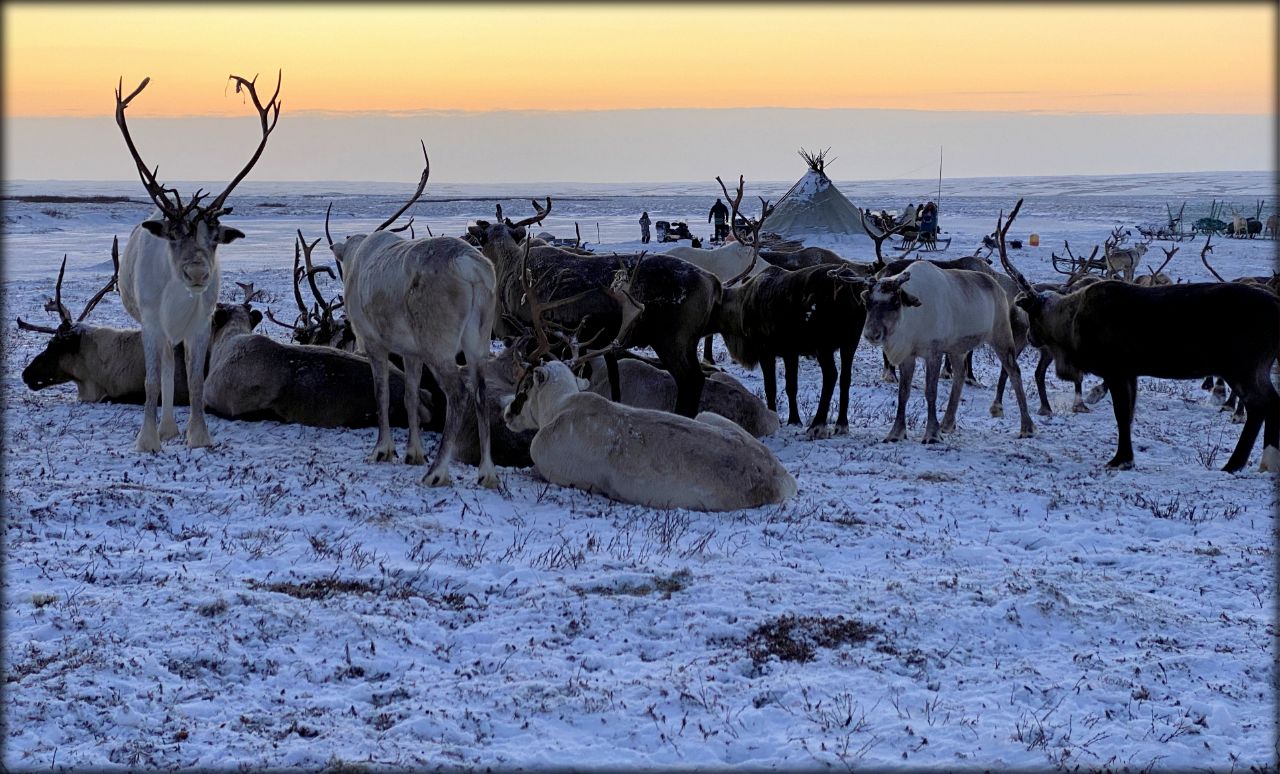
(64,60)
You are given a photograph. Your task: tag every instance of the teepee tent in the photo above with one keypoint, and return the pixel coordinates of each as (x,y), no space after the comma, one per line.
(814,206)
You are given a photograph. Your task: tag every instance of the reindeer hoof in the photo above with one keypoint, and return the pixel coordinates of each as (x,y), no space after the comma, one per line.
(414,458)
(1080,408)
(1118,464)
(382,455)
(973,383)
(997,410)
(1027,432)
(818,432)
(1270,460)
(199,440)
(888,376)
(794,421)
(168,430)
(1096,394)
(840,429)
(1044,411)
(1237,419)
(892,438)
(931,439)
(148,442)
(489,481)
(437,478)
(948,427)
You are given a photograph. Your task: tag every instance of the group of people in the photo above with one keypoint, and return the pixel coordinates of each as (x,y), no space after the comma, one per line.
(719,213)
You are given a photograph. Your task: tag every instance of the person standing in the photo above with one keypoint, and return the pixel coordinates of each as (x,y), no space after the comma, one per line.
(721,214)
(644,228)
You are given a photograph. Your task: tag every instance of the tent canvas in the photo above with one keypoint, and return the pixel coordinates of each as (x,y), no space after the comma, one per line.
(815,206)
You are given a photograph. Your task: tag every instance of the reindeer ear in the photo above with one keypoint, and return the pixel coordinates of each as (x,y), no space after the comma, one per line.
(156,228)
(908,299)
(255,317)
(540,375)
(518,233)
(478,230)
(220,316)
(227,235)
(583,384)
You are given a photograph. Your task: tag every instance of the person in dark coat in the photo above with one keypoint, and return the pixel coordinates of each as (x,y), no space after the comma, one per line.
(644,227)
(721,214)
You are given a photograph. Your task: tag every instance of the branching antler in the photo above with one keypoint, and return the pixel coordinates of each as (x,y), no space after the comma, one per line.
(753,226)
(541,215)
(879,235)
(422,184)
(1204,257)
(158,193)
(1168,256)
(1002,230)
(268,115)
(55,304)
(111,283)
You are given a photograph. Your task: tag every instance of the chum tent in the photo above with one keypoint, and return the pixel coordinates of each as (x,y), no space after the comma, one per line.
(814,205)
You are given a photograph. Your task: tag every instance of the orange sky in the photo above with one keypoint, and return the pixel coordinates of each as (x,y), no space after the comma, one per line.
(63,60)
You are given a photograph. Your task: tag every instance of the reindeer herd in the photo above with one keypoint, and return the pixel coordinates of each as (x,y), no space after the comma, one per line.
(413,345)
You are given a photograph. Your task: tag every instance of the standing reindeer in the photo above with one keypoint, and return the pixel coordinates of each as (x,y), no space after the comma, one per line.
(426,300)
(1123,260)
(169,278)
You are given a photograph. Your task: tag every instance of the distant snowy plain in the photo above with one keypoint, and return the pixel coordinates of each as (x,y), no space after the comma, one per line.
(988,602)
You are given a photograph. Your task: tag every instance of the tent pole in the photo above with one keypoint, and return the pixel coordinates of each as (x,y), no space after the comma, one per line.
(939,177)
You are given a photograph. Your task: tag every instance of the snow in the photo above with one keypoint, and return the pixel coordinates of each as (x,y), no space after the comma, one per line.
(276,601)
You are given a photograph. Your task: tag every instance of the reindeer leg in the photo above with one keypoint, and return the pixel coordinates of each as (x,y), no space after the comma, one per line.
(971,380)
(1122,391)
(932,368)
(958,381)
(148,439)
(488,473)
(818,425)
(384,449)
(791,362)
(1078,405)
(413,454)
(906,369)
(1009,362)
(1271,434)
(450,380)
(768,371)
(886,372)
(168,425)
(681,361)
(846,376)
(196,347)
(706,349)
(997,403)
(1042,368)
(1260,400)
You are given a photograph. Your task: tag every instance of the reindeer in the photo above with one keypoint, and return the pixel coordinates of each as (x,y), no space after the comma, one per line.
(814,312)
(427,300)
(106,364)
(169,277)
(926,311)
(641,456)
(1157,277)
(1171,332)
(318,325)
(678,299)
(1273,225)
(1123,260)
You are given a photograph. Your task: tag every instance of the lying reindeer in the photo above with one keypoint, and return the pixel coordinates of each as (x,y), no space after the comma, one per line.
(1171,332)
(640,456)
(106,364)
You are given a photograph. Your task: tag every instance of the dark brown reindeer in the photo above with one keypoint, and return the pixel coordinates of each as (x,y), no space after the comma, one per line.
(678,299)
(1120,331)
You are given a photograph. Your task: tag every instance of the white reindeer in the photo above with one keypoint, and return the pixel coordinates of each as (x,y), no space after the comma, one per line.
(726,261)
(169,279)
(642,456)
(927,312)
(426,300)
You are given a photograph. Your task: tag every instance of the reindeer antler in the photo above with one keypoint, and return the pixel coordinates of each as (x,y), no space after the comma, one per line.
(541,215)
(1204,257)
(753,226)
(111,283)
(158,193)
(1168,256)
(1002,230)
(268,115)
(422,184)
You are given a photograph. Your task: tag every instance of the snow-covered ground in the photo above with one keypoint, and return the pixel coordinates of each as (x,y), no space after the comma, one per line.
(987,602)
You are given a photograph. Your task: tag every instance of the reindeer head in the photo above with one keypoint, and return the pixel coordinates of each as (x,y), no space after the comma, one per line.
(503,235)
(885,300)
(193,231)
(52,366)
(540,397)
